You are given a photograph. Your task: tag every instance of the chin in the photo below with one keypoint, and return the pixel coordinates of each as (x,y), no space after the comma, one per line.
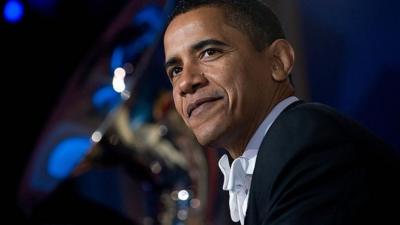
(204,141)
(208,138)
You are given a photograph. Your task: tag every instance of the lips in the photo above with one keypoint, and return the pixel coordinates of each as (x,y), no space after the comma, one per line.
(192,106)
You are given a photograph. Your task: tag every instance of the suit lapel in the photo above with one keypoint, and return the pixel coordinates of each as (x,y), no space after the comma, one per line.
(261,184)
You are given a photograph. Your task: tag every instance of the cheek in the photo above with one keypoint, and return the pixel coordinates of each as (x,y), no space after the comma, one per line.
(177,103)
(234,80)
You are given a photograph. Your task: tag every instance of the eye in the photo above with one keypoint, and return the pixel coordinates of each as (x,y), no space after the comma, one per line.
(173,72)
(210,53)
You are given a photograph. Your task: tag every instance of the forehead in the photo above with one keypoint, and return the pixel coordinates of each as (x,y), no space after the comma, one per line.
(210,15)
(195,25)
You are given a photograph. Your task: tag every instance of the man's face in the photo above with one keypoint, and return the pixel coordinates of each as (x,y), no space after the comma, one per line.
(221,83)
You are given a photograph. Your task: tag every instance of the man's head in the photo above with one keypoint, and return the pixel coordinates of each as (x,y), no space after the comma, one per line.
(252,17)
(227,72)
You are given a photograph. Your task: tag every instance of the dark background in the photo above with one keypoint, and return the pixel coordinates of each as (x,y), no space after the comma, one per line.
(38,55)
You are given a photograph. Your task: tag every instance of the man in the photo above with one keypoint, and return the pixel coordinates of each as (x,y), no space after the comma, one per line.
(294,162)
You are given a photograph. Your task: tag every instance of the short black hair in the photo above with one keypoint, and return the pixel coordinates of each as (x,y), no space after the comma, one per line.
(252,17)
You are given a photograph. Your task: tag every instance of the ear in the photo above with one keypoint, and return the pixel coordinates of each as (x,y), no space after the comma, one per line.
(282,59)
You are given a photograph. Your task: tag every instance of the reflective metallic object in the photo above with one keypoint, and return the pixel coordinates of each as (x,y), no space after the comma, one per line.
(116,115)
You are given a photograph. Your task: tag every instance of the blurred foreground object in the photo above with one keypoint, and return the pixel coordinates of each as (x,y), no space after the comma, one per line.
(115,141)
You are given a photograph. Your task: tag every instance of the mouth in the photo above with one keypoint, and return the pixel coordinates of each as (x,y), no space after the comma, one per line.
(196,104)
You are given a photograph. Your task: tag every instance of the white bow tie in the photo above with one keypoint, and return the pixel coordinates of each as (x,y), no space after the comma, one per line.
(237,181)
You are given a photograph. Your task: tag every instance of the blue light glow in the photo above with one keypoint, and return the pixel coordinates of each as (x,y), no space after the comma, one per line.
(66,156)
(105,98)
(13,11)
(152,19)
(117,58)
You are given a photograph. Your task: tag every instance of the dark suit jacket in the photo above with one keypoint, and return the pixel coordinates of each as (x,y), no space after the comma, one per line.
(315,167)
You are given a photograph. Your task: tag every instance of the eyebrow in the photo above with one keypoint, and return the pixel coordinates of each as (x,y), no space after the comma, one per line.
(196,47)
(172,61)
(201,44)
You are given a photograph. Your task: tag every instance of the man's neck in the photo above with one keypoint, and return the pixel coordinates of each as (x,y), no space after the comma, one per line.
(238,146)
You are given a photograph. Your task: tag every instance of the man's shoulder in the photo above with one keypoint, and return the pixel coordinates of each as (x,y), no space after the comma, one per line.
(311,116)
(312,111)
(313,125)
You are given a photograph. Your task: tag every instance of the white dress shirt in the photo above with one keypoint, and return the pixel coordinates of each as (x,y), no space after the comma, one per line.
(237,178)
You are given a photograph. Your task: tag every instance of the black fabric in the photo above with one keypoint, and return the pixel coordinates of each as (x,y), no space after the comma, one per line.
(315,167)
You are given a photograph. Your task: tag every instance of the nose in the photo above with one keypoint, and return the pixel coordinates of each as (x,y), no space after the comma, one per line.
(190,81)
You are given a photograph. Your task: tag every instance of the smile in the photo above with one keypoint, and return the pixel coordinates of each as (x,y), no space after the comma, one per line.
(200,103)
